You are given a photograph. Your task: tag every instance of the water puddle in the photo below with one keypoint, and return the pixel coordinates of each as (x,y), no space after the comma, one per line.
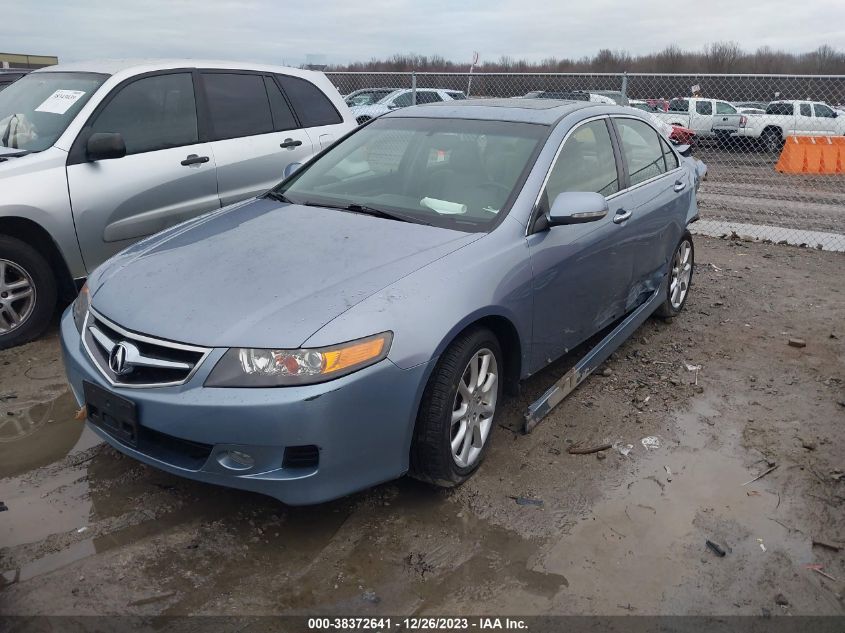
(643,548)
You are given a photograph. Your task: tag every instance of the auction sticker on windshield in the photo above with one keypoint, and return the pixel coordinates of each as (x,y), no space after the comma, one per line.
(60,101)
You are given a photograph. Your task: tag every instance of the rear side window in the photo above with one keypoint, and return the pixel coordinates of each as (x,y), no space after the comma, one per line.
(283,118)
(704,107)
(805,110)
(457,96)
(724,108)
(642,150)
(152,113)
(779,108)
(237,105)
(586,163)
(669,156)
(312,107)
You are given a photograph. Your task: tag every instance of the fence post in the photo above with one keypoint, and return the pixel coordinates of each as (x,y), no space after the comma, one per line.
(625,84)
(414,88)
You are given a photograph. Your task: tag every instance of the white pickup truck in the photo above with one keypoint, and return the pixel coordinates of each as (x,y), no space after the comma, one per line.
(791,118)
(706,117)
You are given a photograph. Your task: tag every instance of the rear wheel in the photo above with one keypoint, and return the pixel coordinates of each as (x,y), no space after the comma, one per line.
(456,417)
(27,292)
(772,140)
(680,279)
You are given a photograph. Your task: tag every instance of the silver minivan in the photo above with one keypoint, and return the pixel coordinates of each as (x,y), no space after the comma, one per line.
(95,156)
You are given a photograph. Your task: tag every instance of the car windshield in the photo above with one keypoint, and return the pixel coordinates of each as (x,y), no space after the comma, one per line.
(367,98)
(453,173)
(36,109)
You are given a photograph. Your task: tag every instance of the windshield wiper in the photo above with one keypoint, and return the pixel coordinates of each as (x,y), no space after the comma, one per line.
(277,196)
(368,210)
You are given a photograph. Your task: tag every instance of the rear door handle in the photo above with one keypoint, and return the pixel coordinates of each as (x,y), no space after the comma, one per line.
(290,143)
(621,216)
(193,159)
(679,186)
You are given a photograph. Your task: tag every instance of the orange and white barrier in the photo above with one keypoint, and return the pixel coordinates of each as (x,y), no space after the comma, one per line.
(812,155)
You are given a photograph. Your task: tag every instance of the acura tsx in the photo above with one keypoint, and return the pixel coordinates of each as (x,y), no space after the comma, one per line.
(364,318)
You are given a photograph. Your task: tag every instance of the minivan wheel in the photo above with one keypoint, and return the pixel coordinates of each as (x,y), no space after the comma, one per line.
(680,279)
(27,292)
(456,418)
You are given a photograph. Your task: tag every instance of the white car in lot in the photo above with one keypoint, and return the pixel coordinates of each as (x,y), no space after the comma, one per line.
(401,99)
(791,118)
(97,155)
(705,117)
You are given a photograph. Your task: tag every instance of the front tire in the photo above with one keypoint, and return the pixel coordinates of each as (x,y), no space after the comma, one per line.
(456,418)
(680,279)
(27,292)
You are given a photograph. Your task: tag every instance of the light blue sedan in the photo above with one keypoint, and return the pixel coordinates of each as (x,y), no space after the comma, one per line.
(364,319)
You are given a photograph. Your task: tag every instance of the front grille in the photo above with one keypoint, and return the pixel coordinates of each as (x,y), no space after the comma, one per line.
(129,359)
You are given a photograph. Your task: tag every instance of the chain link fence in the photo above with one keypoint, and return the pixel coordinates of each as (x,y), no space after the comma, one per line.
(774,145)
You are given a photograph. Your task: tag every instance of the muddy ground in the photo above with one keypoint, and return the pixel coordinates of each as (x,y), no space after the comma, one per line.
(88,531)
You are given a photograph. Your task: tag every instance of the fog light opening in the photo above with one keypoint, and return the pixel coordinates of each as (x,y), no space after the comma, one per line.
(235,460)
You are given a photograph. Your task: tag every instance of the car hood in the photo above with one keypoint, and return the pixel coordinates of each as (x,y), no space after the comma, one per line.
(261,274)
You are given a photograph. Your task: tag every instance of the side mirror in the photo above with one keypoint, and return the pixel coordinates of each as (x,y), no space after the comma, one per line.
(577,207)
(291,169)
(105,145)
(393,106)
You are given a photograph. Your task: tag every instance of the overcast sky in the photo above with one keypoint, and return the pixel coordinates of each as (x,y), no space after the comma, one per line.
(349,30)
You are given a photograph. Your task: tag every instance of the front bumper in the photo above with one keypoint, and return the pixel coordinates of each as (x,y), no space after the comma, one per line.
(361,423)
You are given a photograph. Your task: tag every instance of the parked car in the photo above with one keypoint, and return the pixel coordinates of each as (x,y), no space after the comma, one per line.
(743,110)
(402,99)
(575,95)
(676,133)
(8,77)
(367,96)
(351,326)
(705,117)
(94,156)
(791,118)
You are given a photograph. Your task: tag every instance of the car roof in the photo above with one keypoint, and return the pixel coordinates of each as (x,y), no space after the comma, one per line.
(131,67)
(543,111)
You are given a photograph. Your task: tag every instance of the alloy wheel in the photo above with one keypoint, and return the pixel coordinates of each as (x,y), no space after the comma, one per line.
(17,296)
(681,274)
(474,407)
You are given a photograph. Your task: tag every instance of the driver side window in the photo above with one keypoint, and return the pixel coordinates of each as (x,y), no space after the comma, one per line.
(586,163)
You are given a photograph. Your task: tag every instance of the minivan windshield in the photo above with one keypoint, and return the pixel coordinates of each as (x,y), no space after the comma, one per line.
(453,173)
(36,109)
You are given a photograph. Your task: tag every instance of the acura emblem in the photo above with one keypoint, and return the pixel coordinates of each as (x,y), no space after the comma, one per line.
(117,360)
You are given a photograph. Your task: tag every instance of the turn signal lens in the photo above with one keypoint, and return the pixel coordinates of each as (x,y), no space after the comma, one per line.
(250,367)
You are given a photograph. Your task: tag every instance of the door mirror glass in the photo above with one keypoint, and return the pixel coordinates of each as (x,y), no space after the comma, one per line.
(105,145)
(577,207)
(291,169)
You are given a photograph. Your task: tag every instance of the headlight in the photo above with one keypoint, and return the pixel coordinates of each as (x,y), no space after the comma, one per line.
(247,367)
(80,307)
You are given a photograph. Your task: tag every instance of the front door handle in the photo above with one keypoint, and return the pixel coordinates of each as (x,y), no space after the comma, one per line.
(193,159)
(290,143)
(621,216)
(679,186)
